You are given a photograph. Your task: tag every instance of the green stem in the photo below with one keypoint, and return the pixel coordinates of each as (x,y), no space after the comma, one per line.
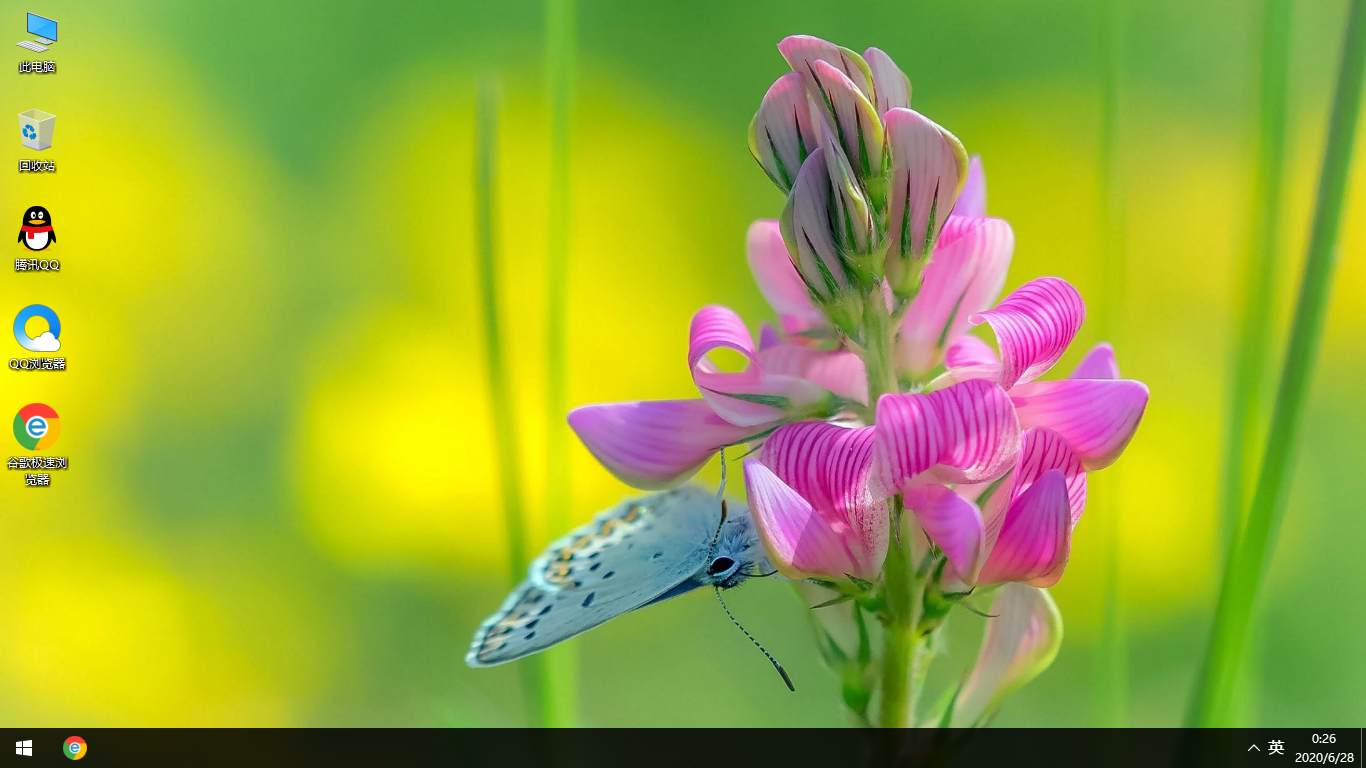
(1112,678)
(898,636)
(560,691)
(500,396)
(877,355)
(1246,564)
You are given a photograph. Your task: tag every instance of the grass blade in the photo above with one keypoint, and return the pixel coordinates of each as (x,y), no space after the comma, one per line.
(1111,690)
(1248,363)
(1248,557)
(500,398)
(560,692)
(1249,360)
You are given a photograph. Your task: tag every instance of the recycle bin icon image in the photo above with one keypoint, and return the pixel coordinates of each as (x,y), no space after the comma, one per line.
(36,127)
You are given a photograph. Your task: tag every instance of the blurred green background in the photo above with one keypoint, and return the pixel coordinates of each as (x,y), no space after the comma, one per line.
(282,504)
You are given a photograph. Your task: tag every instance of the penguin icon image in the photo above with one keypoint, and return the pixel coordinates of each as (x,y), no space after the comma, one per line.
(35,231)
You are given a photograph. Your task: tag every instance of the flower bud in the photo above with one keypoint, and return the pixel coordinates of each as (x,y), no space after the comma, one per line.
(1019,644)
(857,129)
(890,85)
(929,166)
(810,236)
(801,51)
(856,230)
(781,134)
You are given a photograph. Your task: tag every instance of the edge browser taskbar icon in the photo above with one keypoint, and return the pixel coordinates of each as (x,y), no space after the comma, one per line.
(48,340)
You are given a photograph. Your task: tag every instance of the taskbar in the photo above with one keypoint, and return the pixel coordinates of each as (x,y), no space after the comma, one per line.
(660,748)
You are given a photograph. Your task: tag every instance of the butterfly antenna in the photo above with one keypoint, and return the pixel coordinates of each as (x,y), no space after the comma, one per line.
(716,537)
(766,654)
(721,492)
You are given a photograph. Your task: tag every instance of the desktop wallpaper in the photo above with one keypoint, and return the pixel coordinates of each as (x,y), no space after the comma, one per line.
(282,506)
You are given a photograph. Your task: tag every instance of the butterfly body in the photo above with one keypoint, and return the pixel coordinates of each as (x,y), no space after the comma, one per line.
(640,552)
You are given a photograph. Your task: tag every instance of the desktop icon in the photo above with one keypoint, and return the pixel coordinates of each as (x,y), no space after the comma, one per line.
(74,748)
(47,341)
(42,28)
(36,427)
(24,747)
(35,231)
(35,128)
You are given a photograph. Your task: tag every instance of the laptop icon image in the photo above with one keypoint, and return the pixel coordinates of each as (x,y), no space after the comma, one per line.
(45,31)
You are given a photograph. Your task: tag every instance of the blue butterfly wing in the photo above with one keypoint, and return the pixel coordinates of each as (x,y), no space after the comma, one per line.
(636,553)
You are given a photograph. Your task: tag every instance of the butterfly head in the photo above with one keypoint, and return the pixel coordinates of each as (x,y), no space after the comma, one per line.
(737,553)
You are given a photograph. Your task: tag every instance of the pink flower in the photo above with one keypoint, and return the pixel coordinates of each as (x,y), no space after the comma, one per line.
(1094,410)
(658,444)
(1020,528)
(881,263)
(967,433)
(781,382)
(964,276)
(1020,642)
(1028,518)
(818,491)
(808,492)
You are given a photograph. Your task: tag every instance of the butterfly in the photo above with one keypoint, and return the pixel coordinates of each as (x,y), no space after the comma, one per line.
(641,552)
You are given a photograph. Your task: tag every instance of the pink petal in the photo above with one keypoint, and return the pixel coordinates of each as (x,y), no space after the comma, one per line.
(890,84)
(964,277)
(802,51)
(967,433)
(1099,363)
(1041,450)
(953,523)
(928,164)
(800,542)
(1033,327)
(969,351)
(839,371)
(972,201)
(1020,643)
(781,134)
(1097,417)
(654,444)
(1036,538)
(773,271)
(828,466)
(751,397)
(853,117)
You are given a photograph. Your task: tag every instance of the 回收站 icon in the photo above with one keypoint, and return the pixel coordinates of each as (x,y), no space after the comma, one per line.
(35,128)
